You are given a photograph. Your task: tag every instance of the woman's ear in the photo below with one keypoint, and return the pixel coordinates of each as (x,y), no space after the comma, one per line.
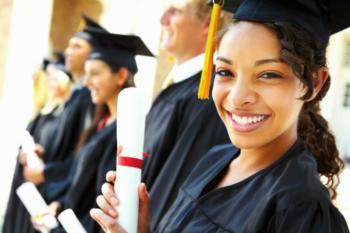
(319,79)
(123,75)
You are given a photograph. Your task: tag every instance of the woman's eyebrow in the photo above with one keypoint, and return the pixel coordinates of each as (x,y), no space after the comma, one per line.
(225,60)
(265,61)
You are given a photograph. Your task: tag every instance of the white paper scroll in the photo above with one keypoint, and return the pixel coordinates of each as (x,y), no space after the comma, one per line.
(130,134)
(28,146)
(35,204)
(70,222)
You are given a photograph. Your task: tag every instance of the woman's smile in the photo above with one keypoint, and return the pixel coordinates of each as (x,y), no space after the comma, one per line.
(246,122)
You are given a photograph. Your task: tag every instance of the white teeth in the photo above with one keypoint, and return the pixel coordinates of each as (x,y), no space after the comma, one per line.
(246,120)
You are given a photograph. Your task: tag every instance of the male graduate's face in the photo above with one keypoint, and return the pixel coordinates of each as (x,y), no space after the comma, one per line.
(101,81)
(76,54)
(183,33)
(255,93)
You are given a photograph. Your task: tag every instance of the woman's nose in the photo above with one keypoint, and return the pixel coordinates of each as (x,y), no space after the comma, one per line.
(242,93)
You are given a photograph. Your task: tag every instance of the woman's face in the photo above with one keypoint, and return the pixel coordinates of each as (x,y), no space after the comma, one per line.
(101,81)
(255,93)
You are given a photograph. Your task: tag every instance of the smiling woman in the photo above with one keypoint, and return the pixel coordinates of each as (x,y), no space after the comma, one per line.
(257,94)
(270,76)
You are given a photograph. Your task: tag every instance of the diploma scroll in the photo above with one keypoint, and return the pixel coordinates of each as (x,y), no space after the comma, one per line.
(28,146)
(35,204)
(130,135)
(70,222)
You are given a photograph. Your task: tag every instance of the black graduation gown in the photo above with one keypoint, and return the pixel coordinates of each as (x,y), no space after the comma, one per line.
(179,130)
(87,172)
(107,163)
(286,197)
(42,128)
(77,110)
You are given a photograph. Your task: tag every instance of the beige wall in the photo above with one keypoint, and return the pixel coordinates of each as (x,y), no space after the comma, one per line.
(5,16)
(66,19)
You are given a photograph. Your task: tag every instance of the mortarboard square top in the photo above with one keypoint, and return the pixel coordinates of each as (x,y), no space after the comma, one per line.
(320,18)
(90,26)
(118,50)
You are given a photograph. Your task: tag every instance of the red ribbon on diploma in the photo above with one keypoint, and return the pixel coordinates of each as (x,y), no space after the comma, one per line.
(130,162)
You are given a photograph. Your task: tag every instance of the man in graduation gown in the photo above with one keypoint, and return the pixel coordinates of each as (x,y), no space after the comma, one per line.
(176,134)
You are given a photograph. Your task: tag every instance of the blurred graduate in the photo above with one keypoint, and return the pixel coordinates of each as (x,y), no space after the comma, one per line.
(41,129)
(77,114)
(110,67)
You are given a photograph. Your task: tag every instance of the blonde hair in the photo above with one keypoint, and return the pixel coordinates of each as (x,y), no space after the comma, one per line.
(202,10)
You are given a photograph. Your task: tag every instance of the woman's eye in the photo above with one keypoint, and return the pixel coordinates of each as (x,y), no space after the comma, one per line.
(271,75)
(223,73)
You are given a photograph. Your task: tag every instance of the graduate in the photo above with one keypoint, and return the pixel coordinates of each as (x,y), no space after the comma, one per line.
(77,115)
(177,133)
(271,75)
(42,128)
(109,68)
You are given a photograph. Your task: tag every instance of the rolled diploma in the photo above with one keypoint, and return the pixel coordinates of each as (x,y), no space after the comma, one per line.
(70,222)
(130,134)
(35,204)
(28,145)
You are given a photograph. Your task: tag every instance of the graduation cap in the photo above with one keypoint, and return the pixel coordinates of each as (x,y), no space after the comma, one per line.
(90,26)
(118,50)
(319,18)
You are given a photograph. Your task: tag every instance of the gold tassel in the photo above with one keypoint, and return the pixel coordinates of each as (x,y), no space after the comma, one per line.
(204,86)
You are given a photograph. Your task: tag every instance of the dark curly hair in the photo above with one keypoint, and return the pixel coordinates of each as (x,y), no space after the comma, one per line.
(306,57)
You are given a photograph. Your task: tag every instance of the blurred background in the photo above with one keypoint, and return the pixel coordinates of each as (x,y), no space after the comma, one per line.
(31,29)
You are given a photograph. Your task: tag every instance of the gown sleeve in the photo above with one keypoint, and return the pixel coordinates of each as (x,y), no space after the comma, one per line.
(309,217)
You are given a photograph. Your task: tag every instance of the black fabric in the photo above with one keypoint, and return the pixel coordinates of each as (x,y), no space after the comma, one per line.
(107,163)
(320,18)
(286,197)
(59,155)
(179,130)
(118,50)
(88,170)
(43,129)
(90,25)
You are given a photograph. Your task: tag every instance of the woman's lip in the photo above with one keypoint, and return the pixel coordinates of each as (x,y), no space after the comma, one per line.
(246,122)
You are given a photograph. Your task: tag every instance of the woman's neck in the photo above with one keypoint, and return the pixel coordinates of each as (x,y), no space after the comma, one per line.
(112,107)
(251,161)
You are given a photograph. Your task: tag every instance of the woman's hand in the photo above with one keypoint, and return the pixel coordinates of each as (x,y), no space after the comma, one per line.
(35,174)
(54,208)
(38,150)
(107,215)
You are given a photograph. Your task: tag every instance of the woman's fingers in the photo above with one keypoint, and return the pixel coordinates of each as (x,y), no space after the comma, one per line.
(109,194)
(108,223)
(119,150)
(106,207)
(111,176)
(39,150)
